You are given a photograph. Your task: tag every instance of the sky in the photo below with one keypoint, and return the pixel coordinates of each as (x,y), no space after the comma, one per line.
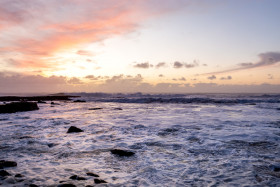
(166,46)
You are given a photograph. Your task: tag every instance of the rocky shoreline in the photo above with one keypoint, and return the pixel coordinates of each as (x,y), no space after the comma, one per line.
(22,104)
(38,98)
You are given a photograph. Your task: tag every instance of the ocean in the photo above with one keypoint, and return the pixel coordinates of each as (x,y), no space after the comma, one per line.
(178,140)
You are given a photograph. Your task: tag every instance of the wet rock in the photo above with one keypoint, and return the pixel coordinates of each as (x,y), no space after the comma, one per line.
(6,164)
(120,152)
(18,107)
(4,173)
(117,108)
(99,181)
(95,108)
(76,177)
(33,185)
(50,145)
(74,129)
(53,103)
(19,175)
(92,174)
(79,101)
(89,186)
(25,137)
(66,185)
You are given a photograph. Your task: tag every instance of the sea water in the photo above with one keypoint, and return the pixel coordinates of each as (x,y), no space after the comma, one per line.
(178,140)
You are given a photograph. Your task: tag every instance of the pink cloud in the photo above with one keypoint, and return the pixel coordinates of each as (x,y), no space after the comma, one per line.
(52,26)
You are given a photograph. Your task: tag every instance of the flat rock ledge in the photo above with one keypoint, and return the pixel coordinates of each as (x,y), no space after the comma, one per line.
(18,107)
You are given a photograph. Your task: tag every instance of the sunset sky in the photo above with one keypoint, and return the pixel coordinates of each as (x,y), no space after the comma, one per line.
(139,45)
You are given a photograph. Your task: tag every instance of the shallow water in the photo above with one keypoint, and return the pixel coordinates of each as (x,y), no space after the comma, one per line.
(176,143)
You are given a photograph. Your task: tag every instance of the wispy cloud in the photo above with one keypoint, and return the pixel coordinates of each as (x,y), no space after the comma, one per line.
(265,59)
(85,53)
(270,76)
(161,64)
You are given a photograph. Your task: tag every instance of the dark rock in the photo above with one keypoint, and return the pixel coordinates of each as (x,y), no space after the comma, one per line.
(6,164)
(60,97)
(25,137)
(79,101)
(120,152)
(50,145)
(95,108)
(19,175)
(53,103)
(74,129)
(117,108)
(75,177)
(92,174)
(18,107)
(66,185)
(89,186)
(33,185)
(4,173)
(99,181)
(275,168)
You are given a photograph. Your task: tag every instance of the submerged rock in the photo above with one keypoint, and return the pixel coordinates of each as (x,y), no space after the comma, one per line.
(19,175)
(6,164)
(92,174)
(4,173)
(99,181)
(95,108)
(79,101)
(18,107)
(76,177)
(120,152)
(74,129)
